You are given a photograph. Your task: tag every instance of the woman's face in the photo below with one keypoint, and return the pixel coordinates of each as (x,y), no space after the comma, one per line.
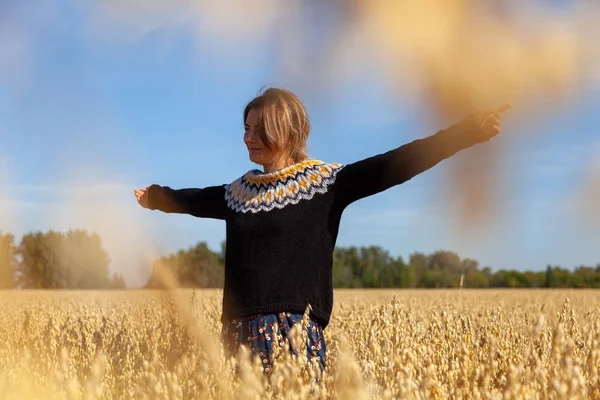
(259,153)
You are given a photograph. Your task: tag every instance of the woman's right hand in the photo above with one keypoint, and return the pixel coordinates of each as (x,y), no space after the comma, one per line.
(483,125)
(142,196)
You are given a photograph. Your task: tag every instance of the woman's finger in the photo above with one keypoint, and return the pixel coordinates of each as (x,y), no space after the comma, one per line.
(484,120)
(489,120)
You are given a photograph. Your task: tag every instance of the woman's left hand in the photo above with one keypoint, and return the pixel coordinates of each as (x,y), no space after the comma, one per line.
(142,197)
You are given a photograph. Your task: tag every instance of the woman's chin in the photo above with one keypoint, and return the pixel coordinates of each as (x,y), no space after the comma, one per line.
(256,159)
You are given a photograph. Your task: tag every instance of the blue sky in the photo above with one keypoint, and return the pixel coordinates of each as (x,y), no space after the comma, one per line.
(90,110)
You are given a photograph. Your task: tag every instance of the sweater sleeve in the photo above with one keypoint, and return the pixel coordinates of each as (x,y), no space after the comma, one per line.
(208,202)
(378,173)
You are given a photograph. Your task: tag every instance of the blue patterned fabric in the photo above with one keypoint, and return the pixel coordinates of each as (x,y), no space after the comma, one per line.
(256,332)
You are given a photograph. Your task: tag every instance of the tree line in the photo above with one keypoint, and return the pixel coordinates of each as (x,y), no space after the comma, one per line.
(56,260)
(374,267)
(76,260)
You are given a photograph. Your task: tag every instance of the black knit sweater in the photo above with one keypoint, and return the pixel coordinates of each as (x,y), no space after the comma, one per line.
(282,226)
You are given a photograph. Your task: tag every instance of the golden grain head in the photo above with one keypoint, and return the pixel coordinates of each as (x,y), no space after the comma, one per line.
(381,344)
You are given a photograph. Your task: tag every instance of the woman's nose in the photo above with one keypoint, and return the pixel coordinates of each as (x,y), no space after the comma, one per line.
(249,136)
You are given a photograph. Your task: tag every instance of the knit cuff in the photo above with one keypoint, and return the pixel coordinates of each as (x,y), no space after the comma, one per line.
(154,197)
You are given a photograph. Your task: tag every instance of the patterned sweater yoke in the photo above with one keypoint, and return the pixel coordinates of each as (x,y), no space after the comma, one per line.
(256,191)
(282,226)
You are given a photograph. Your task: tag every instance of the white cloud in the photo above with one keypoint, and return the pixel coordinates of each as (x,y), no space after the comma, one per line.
(17,32)
(224,21)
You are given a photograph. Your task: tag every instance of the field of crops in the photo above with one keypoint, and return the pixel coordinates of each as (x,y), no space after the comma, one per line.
(382,344)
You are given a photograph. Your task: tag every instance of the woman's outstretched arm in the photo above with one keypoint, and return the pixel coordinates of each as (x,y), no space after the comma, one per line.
(208,202)
(378,173)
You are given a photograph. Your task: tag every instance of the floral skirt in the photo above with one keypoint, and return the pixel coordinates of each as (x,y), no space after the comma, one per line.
(256,332)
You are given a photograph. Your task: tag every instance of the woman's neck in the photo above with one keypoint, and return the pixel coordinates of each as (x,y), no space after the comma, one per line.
(280,164)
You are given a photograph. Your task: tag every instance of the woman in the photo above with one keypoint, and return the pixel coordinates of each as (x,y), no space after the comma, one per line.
(282,223)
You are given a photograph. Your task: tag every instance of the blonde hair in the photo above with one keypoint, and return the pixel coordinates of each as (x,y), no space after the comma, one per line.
(283,122)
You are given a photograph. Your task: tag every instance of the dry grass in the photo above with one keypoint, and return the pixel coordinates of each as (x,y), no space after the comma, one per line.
(423,344)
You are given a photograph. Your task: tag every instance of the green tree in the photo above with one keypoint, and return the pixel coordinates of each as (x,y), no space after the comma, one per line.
(37,263)
(551,280)
(7,260)
(342,274)
(446,261)
(408,277)
(197,266)
(85,264)
(534,279)
(585,277)
(395,274)
(476,279)
(468,265)
(418,263)
(374,261)
(71,260)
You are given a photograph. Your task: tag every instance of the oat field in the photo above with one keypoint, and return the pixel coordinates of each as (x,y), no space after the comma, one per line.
(382,344)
